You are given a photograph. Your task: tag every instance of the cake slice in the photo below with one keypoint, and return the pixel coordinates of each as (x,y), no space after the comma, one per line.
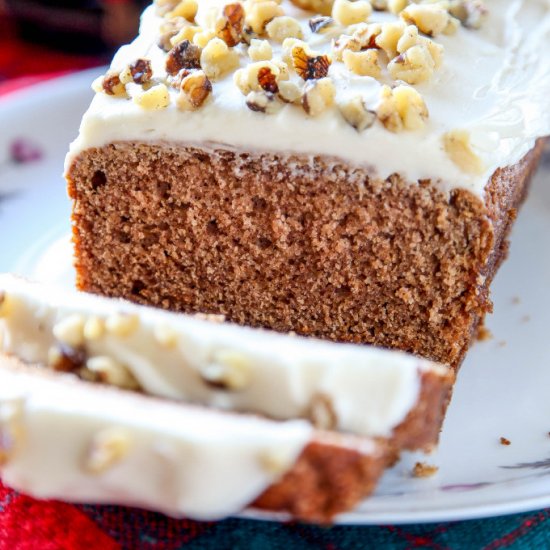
(351,177)
(343,387)
(65,438)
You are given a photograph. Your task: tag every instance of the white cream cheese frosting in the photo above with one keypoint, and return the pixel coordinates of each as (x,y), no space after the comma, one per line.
(363,390)
(494,84)
(62,438)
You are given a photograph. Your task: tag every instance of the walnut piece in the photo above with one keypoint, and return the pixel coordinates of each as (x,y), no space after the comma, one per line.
(321,412)
(122,325)
(94,328)
(320,23)
(457,145)
(185,8)
(228,370)
(111,372)
(401,109)
(63,358)
(309,65)
(323,7)
(183,56)
(283,27)
(414,66)
(356,113)
(259,14)
(229,27)
(217,59)
(431,19)
(289,92)
(363,63)
(318,96)
(194,91)
(422,469)
(153,99)
(471,13)
(70,330)
(262,102)
(141,71)
(347,12)
(260,50)
(110,84)
(261,75)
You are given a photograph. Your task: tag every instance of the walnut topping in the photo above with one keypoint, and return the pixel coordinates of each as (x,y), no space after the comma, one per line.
(183,56)
(401,109)
(185,8)
(168,30)
(262,102)
(283,27)
(505,441)
(289,92)
(267,80)
(364,63)
(63,358)
(186,33)
(320,23)
(202,38)
(457,145)
(229,370)
(318,96)
(94,328)
(122,325)
(389,36)
(309,66)
(356,113)
(111,372)
(217,59)
(70,331)
(262,75)
(110,84)
(154,98)
(379,5)
(229,27)
(396,6)
(259,14)
(321,412)
(323,7)
(141,71)
(194,91)
(421,469)
(471,13)
(363,38)
(430,19)
(260,50)
(347,12)
(411,38)
(11,430)
(107,448)
(166,336)
(414,66)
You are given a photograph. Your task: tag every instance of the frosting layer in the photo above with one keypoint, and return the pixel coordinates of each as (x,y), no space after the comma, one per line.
(61,438)
(352,388)
(494,84)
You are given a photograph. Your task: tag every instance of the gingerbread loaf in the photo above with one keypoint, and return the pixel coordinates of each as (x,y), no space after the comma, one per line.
(335,169)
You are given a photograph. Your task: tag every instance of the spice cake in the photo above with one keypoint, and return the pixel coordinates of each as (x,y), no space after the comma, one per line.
(328,417)
(345,170)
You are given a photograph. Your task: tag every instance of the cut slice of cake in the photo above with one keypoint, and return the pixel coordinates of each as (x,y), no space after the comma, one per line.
(351,177)
(341,387)
(68,439)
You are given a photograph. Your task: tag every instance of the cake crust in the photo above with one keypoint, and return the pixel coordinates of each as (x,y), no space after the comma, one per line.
(303,244)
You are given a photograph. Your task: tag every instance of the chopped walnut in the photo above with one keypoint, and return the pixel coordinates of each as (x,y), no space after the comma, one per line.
(262,102)
(318,96)
(262,75)
(410,38)
(431,19)
(421,469)
(414,66)
(356,113)
(323,7)
(363,38)
(141,71)
(457,145)
(289,92)
(228,370)
(229,27)
(166,336)
(471,13)
(186,33)
(94,328)
(321,412)
(168,30)
(70,331)
(111,372)
(505,441)
(260,50)
(165,6)
(217,59)
(107,448)
(64,358)
(363,63)
(194,91)
(347,12)
(110,84)
(309,65)
(185,8)
(379,5)
(202,38)
(122,325)
(320,23)
(401,109)
(183,56)
(283,27)
(259,14)
(389,37)
(396,6)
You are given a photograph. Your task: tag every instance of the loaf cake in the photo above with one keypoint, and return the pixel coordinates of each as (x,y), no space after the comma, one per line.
(345,170)
(328,417)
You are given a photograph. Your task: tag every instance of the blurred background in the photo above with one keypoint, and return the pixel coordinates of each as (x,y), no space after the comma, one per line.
(41,37)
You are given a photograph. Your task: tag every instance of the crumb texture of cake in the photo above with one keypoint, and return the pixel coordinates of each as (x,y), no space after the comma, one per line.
(293,243)
(67,439)
(349,388)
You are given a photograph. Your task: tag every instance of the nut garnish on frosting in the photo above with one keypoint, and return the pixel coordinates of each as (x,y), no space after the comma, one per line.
(317,53)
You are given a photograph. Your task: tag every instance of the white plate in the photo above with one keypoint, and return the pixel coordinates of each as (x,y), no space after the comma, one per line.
(503,387)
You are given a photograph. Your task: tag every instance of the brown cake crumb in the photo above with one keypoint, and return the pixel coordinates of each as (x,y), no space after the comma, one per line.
(515,300)
(504,441)
(421,469)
